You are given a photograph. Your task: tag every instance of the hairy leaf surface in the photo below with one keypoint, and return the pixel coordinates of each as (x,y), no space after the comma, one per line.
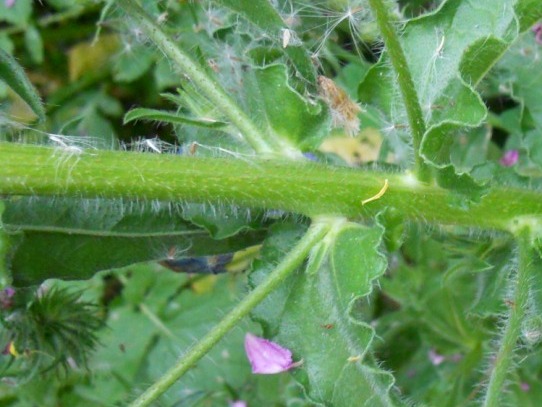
(448,52)
(74,239)
(319,317)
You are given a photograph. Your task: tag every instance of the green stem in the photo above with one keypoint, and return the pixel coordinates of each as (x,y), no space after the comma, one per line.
(518,305)
(406,84)
(294,186)
(290,263)
(262,143)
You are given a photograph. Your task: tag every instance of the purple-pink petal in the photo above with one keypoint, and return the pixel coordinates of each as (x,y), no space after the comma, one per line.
(435,358)
(238,403)
(267,357)
(9,3)
(6,298)
(509,158)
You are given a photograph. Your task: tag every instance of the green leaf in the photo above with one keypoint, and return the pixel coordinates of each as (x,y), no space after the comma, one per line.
(170,314)
(6,43)
(34,44)
(519,74)
(259,12)
(528,13)
(171,117)
(133,63)
(262,14)
(445,293)
(331,339)
(73,239)
(222,222)
(448,51)
(13,75)
(275,105)
(393,223)
(17,14)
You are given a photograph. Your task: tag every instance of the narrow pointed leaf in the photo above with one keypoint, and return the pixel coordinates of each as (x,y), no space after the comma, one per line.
(170,117)
(13,75)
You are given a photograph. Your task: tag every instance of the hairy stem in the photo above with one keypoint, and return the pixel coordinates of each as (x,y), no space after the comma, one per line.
(294,186)
(290,263)
(404,79)
(262,143)
(518,304)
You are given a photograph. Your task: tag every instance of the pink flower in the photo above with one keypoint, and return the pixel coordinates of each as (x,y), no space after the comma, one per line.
(9,3)
(435,358)
(238,403)
(509,158)
(267,357)
(6,298)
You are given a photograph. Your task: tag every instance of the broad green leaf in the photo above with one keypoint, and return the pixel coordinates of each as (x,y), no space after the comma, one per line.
(132,62)
(262,14)
(72,239)
(318,317)
(467,189)
(170,117)
(278,107)
(448,51)
(13,75)
(519,74)
(18,13)
(165,76)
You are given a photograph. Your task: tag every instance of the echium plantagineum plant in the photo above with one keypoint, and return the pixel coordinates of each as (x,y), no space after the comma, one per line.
(342,205)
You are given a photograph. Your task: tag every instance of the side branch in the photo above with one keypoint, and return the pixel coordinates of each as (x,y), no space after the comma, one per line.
(518,305)
(404,79)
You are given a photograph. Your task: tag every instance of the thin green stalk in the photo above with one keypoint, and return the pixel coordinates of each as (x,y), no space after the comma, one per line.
(261,142)
(294,186)
(518,305)
(406,84)
(290,263)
